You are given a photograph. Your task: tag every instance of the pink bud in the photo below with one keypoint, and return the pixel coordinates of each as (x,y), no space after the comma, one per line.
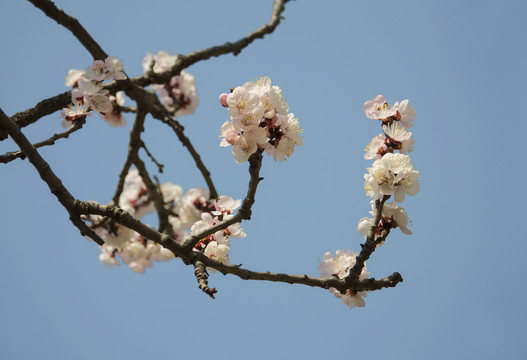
(230,137)
(223,100)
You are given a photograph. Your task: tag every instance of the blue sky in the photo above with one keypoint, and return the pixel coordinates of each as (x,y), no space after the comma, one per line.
(461,64)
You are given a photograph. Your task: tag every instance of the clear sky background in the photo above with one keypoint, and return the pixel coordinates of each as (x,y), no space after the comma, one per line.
(462,64)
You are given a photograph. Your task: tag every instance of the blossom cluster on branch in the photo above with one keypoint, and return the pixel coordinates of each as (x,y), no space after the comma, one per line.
(88,93)
(340,265)
(391,174)
(191,212)
(180,91)
(260,119)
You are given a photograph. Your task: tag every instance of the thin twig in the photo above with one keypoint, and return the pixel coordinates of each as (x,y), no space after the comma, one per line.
(255,163)
(158,164)
(10,156)
(133,147)
(184,61)
(154,195)
(178,129)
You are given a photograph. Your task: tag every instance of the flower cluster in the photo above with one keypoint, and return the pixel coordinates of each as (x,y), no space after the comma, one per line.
(193,212)
(340,265)
(88,93)
(179,93)
(260,120)
(216,246)
(392,173)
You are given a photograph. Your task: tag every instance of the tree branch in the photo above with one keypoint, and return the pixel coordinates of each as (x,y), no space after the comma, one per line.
(370,284)
(184,61)
(43,108)
(192,257)
(370,244)
(125,219)
(73,25)
(155,195)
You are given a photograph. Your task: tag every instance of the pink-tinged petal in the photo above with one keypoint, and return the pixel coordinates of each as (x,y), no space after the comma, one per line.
(223,100)
(65,123)
(405,230)
(368,106)
(380,100)
(353,301)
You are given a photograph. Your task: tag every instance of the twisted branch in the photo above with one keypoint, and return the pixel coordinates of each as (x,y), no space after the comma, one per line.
(201,275)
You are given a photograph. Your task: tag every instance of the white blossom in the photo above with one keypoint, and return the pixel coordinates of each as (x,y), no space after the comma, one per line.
(378,108)
(392,216)
(406,113)
(162,62)
(375,148)
(260,121)
(114,69)
(290,138)
(218,252)
(73,112)
(392,174)
(399,134)
(115,117)
(107,256)
(73,77)
(99,103)
(186,207)
(96,71)
(90,88)
(340,265)
(245,108)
